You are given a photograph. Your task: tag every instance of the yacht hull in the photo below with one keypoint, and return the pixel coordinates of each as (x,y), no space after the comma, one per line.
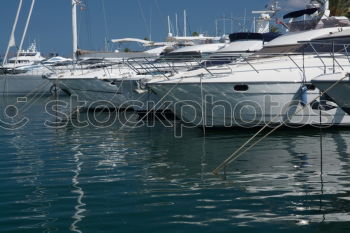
(94,92)
(219,105)
(336,86)
(125,93)
(24,85)
(137,96)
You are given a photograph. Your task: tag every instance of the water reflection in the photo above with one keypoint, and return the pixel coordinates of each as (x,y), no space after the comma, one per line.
(99,180)
(22,173)
(79,207)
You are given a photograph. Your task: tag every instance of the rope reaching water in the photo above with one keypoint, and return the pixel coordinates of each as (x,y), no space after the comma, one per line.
(239,151)
(203,110)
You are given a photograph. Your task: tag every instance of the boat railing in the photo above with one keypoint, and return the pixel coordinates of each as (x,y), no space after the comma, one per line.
(336,51)
(333,53)
(170,66)
(86,68)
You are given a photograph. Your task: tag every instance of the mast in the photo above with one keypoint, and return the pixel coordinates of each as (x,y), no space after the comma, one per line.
(12,41)
(177,25)
(224,23)
(185,23)
(169,27)
(231,23)
(74,29)
(25,30)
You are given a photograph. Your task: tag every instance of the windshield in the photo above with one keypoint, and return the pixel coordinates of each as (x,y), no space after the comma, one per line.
(317,24)
(321,46)
(27,54)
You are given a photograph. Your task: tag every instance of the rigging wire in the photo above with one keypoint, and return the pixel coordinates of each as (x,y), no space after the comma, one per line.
(107,34)
(150,23)
(84,20)
(160,14)
(88,26)
(143,17)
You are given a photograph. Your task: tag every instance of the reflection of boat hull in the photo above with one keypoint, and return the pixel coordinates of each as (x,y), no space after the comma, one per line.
(24,85)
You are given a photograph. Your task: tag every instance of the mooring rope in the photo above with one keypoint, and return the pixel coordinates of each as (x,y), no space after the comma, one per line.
(203,110)
(239,153)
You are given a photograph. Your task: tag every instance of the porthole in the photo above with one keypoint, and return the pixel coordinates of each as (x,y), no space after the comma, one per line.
(310,87)
(241,88)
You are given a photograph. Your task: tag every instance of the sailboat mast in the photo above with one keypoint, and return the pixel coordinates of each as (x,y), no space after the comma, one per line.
(25,30)
(74,29)
(12,36)
(177,25)
(169,27)
(185,23)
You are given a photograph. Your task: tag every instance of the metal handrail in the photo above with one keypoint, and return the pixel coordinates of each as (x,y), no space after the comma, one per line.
(318,55)
(168,66)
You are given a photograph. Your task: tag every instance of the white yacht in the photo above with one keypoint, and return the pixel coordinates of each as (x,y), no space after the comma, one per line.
(119,84)
(192,58)
(274,85)
(123,85)
(57,61)
(26,58)
(22,75)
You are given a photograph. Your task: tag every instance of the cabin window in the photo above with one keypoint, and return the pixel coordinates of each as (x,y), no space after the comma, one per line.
(241,88)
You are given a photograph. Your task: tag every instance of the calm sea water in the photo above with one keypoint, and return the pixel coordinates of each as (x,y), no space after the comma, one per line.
(117,179)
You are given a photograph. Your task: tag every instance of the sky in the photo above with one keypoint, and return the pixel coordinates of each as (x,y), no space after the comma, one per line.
(99,20)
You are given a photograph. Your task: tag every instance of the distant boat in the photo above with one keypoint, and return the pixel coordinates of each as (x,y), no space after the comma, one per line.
(22,75)
(25,60)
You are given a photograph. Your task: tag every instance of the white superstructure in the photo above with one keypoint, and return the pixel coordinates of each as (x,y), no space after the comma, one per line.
(25,58)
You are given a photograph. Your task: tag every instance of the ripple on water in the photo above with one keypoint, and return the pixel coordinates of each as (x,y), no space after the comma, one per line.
(100,180)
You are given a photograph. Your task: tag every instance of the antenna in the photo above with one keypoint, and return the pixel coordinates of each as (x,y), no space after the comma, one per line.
(263,23)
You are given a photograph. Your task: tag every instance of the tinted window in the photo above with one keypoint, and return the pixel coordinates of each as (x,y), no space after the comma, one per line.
(241,88)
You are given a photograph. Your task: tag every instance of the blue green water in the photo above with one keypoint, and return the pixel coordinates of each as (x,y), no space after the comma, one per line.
(124,180)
